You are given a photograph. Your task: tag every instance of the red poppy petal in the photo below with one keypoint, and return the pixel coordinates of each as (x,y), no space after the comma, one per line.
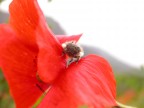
(63,38)
(18,63)
(28,20)
(89,82)
(51,62)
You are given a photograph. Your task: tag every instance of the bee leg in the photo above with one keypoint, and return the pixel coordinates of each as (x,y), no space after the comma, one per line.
(77,59)
(70,60)
(67,64)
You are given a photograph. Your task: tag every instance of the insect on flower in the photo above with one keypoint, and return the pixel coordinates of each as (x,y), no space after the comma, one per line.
(73,51)
(32,62)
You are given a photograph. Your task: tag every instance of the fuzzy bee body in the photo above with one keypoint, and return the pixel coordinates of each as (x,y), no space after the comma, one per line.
(72,50)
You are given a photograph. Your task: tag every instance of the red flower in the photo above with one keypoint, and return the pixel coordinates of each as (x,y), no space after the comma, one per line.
(28,47)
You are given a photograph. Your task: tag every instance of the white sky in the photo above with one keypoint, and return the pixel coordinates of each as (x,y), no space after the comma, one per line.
(115,26)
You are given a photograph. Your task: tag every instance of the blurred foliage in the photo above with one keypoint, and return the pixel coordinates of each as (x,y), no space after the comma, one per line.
(1,1)
(130,91)
(5,98)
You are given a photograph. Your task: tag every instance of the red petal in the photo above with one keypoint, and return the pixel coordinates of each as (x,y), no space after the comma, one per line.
(18,63)
(51,62)
(28,20)
(63,38)
(90,82)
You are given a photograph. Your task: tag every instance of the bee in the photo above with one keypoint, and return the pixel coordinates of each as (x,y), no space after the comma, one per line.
(73,51)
